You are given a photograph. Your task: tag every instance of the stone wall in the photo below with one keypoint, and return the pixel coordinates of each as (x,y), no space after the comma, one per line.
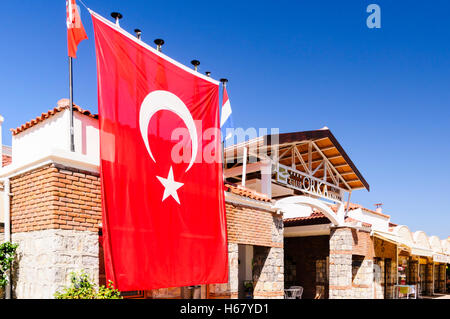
(46,258)
(362,278)
(268,272)
(340,272)
(378,278)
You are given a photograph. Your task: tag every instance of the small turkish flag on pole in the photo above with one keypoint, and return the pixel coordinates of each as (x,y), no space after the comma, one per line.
(75,34)
(75,29)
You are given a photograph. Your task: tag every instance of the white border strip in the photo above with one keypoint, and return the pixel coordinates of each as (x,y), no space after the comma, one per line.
(66,158)
(154,51)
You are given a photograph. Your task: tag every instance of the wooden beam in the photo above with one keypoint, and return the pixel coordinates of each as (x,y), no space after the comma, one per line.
(331,165)
(301,160)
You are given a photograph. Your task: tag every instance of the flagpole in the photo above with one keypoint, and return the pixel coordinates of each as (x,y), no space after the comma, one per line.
(72,141)
(224,84)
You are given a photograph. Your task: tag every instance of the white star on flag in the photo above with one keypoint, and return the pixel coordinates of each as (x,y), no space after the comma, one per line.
(170,186)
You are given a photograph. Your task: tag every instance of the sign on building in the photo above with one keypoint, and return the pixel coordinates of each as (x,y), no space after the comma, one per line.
(306,183)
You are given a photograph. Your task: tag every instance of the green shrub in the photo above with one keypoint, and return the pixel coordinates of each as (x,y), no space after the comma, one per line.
(7,255)
(82,288)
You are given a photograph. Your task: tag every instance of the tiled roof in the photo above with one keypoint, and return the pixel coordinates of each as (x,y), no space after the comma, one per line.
(352,220)
(6,160)
(246,192)
(392,224)
(62,104)
(353,206)
(315,218)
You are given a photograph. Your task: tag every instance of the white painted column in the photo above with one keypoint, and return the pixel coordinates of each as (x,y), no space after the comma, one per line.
(340,214)
(266,178)
(244,166)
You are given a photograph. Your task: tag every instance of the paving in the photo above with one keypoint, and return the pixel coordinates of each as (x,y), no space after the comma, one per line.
(438,296)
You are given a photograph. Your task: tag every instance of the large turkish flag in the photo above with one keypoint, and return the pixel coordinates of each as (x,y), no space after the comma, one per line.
(162,185)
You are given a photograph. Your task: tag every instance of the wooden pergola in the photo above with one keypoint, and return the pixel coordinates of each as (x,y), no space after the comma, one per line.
(312,154)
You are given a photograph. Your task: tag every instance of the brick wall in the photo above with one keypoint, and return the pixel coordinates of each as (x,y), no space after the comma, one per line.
(362,244)
(55,197)
(252,226)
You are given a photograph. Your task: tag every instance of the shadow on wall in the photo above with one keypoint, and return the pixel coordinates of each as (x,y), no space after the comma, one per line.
(15,273)
(260,254)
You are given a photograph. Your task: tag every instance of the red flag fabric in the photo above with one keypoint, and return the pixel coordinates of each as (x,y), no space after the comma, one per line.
(162,184)
(75,29)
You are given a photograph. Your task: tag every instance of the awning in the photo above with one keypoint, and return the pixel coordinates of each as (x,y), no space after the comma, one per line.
(390,237)
(421,252)
(414,250)
(439,258)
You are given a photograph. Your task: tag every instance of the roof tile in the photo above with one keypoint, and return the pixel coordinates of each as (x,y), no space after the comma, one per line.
(246,192)
(6,160)
(61,105)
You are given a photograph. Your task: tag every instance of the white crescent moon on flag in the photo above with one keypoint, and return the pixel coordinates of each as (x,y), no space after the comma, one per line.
(164,100)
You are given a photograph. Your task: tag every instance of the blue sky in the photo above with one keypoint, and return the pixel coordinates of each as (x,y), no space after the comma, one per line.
(295,65)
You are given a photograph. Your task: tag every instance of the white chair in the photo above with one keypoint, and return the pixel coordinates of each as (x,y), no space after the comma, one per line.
(299,291)
(412,291)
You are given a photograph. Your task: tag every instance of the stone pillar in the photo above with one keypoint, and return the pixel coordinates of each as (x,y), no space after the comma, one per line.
(340,265)
(268,272)
(233,280)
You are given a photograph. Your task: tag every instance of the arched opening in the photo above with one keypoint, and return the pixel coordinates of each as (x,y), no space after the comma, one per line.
(287,204)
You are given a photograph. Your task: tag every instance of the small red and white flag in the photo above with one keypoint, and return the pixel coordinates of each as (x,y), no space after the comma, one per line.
(226,120)
(75,29)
